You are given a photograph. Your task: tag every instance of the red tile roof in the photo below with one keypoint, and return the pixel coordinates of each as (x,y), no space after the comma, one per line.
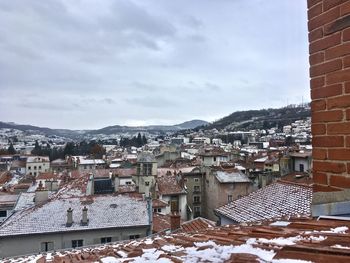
(309,240)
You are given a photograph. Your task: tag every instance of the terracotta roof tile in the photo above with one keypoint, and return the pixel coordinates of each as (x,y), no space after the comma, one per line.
(264,243)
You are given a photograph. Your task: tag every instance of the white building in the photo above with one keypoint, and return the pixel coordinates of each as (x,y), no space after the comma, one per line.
(37,164)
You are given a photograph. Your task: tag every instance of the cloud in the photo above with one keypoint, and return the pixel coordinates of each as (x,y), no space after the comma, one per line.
(146,61)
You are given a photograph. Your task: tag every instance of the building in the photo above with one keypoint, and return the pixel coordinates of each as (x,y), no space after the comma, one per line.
(214,156)
(222,187)
(301,161)
(65,223)
(170,189)
(36,165)
(196,194)
(146,173)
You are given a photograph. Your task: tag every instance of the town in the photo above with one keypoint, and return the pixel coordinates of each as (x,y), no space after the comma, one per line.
(127,186)
(175,131)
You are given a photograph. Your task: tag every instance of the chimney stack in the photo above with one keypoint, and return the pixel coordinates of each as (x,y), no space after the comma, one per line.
(69,217)
(41,194)
(84,220)
(175,221)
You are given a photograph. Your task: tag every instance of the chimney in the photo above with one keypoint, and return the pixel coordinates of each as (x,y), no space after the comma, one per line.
(41,194)
(84,220)
(116,184)
(54,185)
(174,221)
(69,217)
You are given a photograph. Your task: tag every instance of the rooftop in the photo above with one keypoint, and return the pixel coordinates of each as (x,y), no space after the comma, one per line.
(272,202)
(232,177)
(146,157)
(103,212)
(302,241)
(35,159)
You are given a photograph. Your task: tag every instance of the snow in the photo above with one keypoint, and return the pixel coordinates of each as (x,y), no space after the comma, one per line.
(280,223)
(280,241)
(148,241)
(122,254)
(337,230)
(109,260)
(340,247)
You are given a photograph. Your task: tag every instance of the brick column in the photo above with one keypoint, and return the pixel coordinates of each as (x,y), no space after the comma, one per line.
(329,38)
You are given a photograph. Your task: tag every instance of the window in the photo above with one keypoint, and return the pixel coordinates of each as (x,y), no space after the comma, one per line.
(214,159)
(3,213)
(34,173)
(196,199)
(174,206)
(39,167)
(30,173)
(157,210)
(34,167)
(196,188)
(46,246)
(301,167)
(77,243)
(106,240)
(147,183)
(147,168)
(197,211)
(138,170)
(134,236)
(128,183)
(29,167)
(196,179)
(229,198)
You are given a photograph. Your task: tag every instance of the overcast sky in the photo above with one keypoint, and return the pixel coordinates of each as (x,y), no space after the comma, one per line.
(89,64)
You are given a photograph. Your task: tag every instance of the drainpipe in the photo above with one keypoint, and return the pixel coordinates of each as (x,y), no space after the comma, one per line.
(150,215)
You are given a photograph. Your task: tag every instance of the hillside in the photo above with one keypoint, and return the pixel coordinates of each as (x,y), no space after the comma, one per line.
(74,134)
(151,128)
(261,119)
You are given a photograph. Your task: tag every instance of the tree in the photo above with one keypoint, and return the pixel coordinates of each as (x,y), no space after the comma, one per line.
(37,149)
(144,140)
(69,149)
(139,140)
(97,151)
(11,149)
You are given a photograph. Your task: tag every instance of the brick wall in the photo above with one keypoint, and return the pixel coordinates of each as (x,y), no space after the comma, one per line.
(329,38)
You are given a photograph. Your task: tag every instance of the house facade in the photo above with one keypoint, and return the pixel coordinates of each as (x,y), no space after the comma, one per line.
(36,165)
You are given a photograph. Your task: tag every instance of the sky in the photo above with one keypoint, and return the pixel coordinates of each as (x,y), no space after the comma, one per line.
(87,64)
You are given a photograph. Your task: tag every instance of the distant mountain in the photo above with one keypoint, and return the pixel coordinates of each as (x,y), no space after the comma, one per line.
(40,130)
(191,124)
(74,134)
(261,119)
(151,128)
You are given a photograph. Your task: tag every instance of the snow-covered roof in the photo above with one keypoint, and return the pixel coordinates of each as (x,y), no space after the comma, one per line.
(271,202)
(103,212)
(91,161)
(261,160)
(37,159)
(232,177)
